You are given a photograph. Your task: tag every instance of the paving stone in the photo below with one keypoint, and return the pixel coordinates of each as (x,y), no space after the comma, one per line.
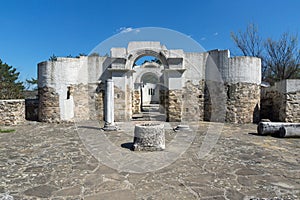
(118,194)
(72,191)
(42,191)
(51,161)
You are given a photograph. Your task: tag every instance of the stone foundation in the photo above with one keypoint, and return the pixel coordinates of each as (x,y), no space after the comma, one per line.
(12,111)
(49,105)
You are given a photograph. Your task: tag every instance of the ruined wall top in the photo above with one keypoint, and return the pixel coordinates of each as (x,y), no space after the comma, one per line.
(286,86)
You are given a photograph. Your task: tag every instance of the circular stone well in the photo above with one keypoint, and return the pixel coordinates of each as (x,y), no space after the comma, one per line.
(149,137)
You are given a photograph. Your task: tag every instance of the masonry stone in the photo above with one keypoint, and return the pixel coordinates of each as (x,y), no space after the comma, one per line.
(281,101)
(12,111)
(149,137)
(73,88)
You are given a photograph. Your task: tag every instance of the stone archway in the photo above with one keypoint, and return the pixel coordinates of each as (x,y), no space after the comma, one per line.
(128,83)
(150,89)
(148,81)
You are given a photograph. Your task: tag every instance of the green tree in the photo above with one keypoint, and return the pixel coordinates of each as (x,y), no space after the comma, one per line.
(31,83)
(53,58)
(10,87)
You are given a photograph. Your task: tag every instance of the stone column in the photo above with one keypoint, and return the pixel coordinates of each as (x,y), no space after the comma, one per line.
(109,106)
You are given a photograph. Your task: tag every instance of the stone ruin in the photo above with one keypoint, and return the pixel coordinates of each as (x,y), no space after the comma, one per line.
(187,86)
(74,88)
(281,102)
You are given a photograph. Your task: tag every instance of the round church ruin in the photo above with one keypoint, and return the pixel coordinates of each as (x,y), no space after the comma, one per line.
(178,83)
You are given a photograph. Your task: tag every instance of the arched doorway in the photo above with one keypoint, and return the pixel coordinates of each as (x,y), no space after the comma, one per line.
(148,81)
(150,89)
(127,79)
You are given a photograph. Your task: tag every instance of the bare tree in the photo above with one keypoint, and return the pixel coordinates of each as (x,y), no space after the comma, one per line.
(283,58)
(249,42)
(280,58)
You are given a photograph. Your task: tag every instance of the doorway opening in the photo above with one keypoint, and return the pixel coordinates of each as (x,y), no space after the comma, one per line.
(148,83)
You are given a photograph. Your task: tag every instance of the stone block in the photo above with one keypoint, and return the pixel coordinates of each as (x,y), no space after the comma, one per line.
(12,111)
(149,137)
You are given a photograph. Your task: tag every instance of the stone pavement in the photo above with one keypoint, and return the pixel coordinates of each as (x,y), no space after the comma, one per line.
(67,161)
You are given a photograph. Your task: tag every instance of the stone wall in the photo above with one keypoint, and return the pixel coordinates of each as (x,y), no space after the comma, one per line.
(292,107)
(215,101)
(128,108)
(281,102)
(136,102)
(80,94)
(193,101)
(12,111)
(120,105)
(243,103)
(85,101)
(174,105)
(163,95)
(69,86)
(233,103)
(49,105)
(99,102)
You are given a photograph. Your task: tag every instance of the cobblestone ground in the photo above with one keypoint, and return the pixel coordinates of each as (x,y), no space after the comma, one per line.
(53,161)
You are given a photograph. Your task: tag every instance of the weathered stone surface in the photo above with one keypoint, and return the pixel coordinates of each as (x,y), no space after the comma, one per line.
(149,137)
(289,131)
(81,101)
(72,191)
(42,191)
(279,103)
(136,102)
(215,101)
(292,113)
(243,102)
(265,128)
(193,101)
(99,102)
(174,105)
(48,105)
(182,128)
(51,159)
(12,111)
(121,112)
(119,194)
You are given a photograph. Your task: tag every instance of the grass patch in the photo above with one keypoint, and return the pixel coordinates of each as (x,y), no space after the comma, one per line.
(7,130)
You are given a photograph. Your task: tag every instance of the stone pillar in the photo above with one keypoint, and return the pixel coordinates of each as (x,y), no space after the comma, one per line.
(109,106)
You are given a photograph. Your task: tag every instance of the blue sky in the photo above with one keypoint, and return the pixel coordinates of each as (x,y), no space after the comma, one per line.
(33,30)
